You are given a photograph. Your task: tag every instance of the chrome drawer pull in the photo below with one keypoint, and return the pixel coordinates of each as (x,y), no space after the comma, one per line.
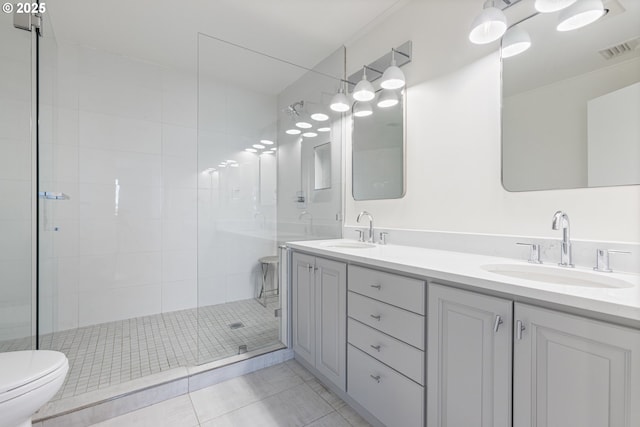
(497,324)
(378,287)
(375,347)
(376,377)
(375,316)
(519,329)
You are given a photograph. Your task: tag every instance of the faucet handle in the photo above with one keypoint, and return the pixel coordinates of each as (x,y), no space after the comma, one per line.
(602,259)
(361,235)
(383,237)
(534,253)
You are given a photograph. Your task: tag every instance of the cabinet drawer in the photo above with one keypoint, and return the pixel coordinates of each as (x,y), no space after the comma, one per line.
(389,396)
(401,324)
(390,351)
(396,290)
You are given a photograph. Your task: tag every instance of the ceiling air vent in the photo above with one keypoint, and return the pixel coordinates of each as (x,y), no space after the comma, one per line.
(620,49)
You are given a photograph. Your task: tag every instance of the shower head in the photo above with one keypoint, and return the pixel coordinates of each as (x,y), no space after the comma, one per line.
(292,110)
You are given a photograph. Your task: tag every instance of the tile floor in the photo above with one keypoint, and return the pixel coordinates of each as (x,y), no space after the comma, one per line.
(282,395)
(112,353)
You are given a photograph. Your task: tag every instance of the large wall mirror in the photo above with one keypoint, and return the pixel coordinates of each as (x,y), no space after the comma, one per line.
(571,104)
(378,153)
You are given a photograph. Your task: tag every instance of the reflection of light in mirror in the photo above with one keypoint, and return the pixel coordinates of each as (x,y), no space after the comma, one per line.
(117,204)
(251,150)
(515,41)
(293,131)
(268,152)
(362,109)
(303,125)
(319,117)
(340,102)
(222,165)
(234,165)
(266,142)
(208,171)
(309,134)
(324,129)
(231,161)
(580,14)
(259,146)
(388,98)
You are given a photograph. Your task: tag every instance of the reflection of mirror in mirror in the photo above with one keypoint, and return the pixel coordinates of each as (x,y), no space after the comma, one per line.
(322,166)
(571,104)
(378,153)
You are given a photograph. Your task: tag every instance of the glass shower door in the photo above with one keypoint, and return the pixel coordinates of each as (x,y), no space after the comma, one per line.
(17,187)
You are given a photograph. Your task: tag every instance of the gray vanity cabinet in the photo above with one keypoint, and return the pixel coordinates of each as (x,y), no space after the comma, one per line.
(573,371)
(469,359)
(319,315)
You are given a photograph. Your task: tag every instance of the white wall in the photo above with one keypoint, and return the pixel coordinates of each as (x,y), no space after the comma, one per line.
(118,118)
(453,141)
(15,182)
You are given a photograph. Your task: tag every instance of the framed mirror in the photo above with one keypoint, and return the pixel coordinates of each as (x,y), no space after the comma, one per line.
(378,152)
(322,166)
(571,104)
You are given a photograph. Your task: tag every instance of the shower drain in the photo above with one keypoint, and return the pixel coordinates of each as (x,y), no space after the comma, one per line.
(236,325)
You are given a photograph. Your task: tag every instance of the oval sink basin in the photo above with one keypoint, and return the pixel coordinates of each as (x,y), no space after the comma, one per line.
(350,245)
(557,275)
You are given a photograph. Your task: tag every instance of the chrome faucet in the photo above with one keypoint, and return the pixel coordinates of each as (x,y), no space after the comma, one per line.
(360,215)
(561,220)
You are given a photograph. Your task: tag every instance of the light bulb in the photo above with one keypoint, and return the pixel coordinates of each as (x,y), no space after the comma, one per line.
(393,77)
(364,90)
(340,102)
(515,41)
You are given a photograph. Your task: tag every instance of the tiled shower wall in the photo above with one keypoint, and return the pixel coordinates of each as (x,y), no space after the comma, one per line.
(124,151)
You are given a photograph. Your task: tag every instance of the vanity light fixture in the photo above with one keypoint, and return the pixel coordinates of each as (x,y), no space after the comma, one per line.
(515,41)
(340,103)
(580,14)
(324,129)
(293,131)
(489,26)
(362,109)
(393,77)
(364,90)
(310,134)
(251,150)
(318,114)
(549,6)
(388,98)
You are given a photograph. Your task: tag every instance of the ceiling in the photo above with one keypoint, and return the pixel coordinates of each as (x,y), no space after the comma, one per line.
(165,31)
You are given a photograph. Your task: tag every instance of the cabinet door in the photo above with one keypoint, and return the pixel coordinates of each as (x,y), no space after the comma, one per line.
(331,320)
(572,371)
(303,294)
(469,359)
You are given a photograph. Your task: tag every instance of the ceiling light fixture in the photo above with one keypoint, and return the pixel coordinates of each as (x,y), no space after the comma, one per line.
(302,124)
(580,14)
(324,129)
(362,109)
(393,77)
(549,6)
(388,98)
(489,26)
(266,142)
(515,41)
(259,146)
(251,150)
(364,90)
(309,134)
(293,131)
(318,114)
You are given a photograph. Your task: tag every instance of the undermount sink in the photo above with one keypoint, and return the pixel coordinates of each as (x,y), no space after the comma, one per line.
(350,245)
(557,275)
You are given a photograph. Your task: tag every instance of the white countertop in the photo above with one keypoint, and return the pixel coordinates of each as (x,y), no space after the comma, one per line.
(466,268)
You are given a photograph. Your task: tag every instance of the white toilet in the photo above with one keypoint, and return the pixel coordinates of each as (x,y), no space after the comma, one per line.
(28,380)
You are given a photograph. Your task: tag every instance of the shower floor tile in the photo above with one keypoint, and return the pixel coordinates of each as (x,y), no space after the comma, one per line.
(112,353)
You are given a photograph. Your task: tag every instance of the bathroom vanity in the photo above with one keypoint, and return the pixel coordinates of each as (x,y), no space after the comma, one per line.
(412,336)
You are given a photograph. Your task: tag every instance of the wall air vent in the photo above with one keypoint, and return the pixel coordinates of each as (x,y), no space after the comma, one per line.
(620,49)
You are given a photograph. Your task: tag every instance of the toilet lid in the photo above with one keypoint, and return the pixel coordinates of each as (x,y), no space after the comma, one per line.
(18,368)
